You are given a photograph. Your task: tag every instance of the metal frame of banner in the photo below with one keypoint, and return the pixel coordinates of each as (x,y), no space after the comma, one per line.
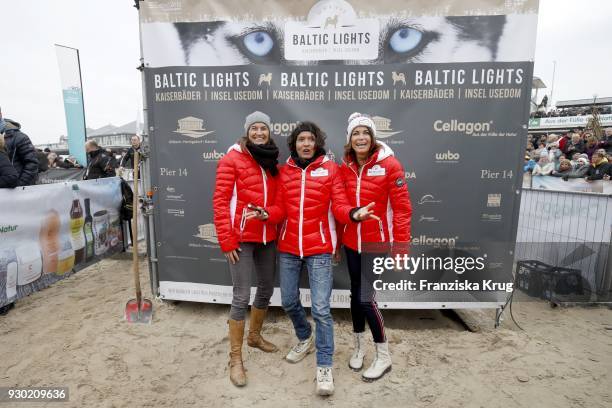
(146,200)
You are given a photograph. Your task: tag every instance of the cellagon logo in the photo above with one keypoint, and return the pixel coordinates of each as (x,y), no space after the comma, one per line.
(7,228)
(468,128)
(283,128)
(332,31)
(449,242)
(212,156)
(447,157)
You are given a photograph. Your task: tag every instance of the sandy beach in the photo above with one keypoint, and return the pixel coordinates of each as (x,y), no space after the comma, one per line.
(73,334)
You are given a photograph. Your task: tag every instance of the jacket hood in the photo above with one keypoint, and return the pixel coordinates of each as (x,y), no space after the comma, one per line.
(12,125)
(235,147)
(384,151)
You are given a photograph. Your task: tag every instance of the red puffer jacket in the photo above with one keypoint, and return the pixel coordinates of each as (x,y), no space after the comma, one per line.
(307,201)
(382,181)
(240,181)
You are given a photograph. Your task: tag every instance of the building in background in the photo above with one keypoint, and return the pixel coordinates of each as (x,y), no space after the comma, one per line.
(116,138)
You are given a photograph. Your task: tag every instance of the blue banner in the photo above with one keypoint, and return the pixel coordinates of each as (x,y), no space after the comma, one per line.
(75,123)
(70,73)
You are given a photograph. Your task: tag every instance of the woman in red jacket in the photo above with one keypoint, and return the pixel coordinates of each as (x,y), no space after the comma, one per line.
(372,174)
(310,194)
(246,176)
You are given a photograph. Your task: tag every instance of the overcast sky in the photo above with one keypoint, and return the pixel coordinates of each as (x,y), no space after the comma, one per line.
(575,34)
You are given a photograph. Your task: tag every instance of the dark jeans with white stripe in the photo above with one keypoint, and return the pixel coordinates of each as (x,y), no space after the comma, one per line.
(363,305)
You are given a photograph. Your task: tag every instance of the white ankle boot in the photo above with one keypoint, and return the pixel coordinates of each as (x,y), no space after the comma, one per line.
(381,364)
(356,361)
(325,381)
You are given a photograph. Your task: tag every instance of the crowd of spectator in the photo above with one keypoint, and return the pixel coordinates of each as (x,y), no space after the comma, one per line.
(571,111)
(576,154)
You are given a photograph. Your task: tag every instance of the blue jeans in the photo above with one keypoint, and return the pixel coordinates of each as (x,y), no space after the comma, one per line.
(321,279)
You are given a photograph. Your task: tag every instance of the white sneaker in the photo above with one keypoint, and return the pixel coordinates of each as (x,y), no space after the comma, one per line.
(356,361)
(381,364)
(325,381)
(301,350)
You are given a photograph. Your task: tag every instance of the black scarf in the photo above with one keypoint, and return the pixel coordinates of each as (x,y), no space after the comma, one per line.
(303,163)
(265,155)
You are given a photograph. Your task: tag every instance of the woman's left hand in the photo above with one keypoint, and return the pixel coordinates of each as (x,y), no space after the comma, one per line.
(365,213)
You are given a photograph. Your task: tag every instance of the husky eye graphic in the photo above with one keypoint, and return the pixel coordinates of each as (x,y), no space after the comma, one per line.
(404,43)
(259,45)
(405,39)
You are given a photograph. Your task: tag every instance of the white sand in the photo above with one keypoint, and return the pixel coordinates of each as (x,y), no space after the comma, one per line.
(73,334)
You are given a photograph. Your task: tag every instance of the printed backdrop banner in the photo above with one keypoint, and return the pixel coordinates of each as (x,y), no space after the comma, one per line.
(60,175)
(575,185)
(448,88)
(48,232)
(567,121)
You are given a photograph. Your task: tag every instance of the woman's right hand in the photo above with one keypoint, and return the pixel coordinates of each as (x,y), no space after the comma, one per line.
(232,256)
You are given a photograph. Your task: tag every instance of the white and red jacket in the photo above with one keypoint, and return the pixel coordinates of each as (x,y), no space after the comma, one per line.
(381,180)
(241,181)
(306,203)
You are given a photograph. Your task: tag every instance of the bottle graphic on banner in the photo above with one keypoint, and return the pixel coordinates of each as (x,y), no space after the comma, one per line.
(8,271)
(76,226)
(101,227)
(29,263)
(88,231)
(65,258)
(50,241)
(115,228)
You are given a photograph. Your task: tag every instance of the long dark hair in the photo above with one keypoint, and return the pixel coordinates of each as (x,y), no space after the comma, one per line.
(313,128)
(348,148)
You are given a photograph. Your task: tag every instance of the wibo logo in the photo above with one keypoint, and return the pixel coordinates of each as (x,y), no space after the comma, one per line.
(7,228)
(447,156)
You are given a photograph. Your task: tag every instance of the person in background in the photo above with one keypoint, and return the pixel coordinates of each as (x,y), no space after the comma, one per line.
(20,151)
(563,141)
(565,168)
(591,146)
(43,164)
(599,167)
(71,162)
(127,161)
(101,164)
(544,167)
(579,168)
(529,163)
(53,161)
(576,145)
(9,178)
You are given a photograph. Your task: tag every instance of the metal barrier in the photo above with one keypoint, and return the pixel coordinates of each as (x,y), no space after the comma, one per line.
(568,231)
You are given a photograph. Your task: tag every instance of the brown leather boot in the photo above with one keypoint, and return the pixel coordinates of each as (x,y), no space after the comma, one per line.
(236,335)
(254,338)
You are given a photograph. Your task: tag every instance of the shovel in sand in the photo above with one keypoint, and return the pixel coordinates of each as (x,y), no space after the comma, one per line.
(137,310)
